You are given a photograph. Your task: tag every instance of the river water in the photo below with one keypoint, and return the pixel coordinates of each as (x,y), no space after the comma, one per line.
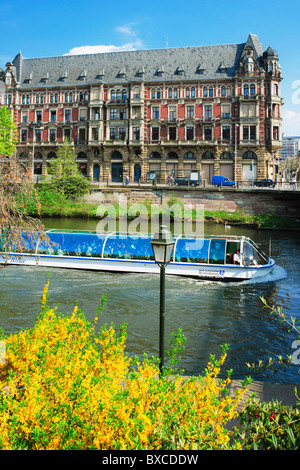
(209,313)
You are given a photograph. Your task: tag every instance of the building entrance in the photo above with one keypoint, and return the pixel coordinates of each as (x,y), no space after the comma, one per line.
(117,172)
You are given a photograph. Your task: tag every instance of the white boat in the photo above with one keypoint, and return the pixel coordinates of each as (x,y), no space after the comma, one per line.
(203,258)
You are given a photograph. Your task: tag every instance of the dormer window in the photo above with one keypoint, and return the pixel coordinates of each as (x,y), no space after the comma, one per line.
(140,73)
(82,75)
(28,79)
(222,68)
(200,69)
(122,73)
(64,76)
(160,71)
(45,77)
(180,70)
(100,75)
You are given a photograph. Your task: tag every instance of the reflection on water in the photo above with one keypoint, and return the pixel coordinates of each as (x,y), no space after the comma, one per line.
(209,313)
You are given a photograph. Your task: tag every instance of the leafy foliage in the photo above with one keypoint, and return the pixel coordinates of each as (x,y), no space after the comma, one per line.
(66,386)
(270,426)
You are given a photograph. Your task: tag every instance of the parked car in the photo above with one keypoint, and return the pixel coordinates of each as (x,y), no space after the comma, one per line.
(181,181)
(222,181)
(265,183)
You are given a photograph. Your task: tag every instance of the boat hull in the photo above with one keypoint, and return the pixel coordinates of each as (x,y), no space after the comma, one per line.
(214,272)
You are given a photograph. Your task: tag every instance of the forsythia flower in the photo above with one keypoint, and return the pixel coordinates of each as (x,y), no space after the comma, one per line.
(65,387)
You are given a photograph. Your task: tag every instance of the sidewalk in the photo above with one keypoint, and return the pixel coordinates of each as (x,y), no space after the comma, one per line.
(268,391)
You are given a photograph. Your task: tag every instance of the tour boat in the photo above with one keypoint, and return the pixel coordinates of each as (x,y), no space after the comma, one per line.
(211,258)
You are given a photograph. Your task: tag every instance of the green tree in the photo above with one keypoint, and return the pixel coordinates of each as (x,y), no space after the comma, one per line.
(8,132)
(68,179)
(65,166)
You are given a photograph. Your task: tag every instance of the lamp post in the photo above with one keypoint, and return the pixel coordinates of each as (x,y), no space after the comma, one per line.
(236,126)
(162,246)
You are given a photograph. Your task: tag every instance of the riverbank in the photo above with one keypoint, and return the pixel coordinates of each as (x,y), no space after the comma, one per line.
(212,206)
(71,209)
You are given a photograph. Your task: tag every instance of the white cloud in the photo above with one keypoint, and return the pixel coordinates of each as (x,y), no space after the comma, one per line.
(130,46)
(126,30)
(290,122)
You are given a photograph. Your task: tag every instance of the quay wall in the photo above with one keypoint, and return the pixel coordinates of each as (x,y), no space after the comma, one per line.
(251,201)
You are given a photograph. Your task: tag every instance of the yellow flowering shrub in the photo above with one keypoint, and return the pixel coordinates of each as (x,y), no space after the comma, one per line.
(64,386)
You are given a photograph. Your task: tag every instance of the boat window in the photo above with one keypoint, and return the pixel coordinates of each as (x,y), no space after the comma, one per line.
(217,251)
(231,249)
(73,244)
(192,250)
(251,256)
(129,247)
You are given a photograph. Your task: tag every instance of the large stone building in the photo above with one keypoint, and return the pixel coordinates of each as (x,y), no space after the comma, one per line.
(211,109)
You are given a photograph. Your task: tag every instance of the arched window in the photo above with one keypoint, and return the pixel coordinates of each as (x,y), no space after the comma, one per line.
(175,92)
(223,91)
(246,90)
(207,156)
(190,156)
(226,156)
(155,155)
(56,97)
(275,89)
(172,156)
(66,97)
(51,155)
(82,156)
(193,92)
(23,156)
(249,156)
(112,95)
(118,95)
(124,94)
(187,92)
(170,93)
(136,92)
(205,91)
(116,155)
(252,89)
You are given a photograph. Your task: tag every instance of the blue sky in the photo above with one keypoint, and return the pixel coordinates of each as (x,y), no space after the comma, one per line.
(40,28)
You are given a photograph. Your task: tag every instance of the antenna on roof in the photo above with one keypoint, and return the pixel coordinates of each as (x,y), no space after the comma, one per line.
(167,40)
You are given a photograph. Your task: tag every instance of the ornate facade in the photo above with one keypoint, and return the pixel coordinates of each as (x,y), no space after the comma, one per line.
(211,109)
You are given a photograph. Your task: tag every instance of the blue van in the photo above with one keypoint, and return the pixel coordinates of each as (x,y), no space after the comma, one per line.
(222,181)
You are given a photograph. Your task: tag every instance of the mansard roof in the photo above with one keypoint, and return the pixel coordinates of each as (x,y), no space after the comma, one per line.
(71,67)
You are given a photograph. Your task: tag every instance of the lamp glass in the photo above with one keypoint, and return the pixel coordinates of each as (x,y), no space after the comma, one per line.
(162,245)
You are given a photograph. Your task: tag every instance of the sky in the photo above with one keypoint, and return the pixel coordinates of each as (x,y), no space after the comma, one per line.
(59,27)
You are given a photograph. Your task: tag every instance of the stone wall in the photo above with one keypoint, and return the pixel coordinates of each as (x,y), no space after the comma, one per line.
(249,201)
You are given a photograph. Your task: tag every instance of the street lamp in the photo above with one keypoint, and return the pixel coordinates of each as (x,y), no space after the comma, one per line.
(236,126)
(162,246)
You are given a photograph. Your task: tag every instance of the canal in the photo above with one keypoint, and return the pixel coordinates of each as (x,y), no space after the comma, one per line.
(209,313)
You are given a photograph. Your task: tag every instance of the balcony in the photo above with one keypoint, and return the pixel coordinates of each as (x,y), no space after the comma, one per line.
(36,124)
(117,102)
(66,123)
